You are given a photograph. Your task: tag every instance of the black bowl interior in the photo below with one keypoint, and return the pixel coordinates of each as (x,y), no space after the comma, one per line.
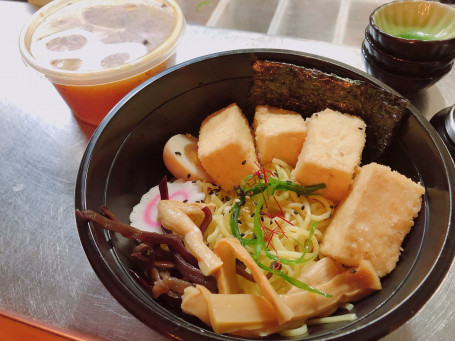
(124,159)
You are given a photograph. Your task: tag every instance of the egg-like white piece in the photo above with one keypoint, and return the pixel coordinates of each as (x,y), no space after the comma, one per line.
(181,159)
(144,214)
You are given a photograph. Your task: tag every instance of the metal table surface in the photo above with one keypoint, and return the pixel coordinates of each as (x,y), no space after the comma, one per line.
(44,273)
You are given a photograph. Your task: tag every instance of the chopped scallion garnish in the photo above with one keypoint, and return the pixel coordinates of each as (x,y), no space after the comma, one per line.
(266,186)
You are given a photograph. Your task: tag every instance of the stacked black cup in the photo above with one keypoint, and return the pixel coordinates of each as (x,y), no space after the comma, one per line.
(410,45)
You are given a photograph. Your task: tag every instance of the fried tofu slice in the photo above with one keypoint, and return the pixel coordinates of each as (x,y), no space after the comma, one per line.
(279,134)
(374,219)
(226,147)
(331,152)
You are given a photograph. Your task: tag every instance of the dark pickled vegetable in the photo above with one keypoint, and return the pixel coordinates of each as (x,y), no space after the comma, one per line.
(159,262)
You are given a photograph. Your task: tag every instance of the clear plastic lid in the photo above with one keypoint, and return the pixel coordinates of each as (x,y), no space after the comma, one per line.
(86,42)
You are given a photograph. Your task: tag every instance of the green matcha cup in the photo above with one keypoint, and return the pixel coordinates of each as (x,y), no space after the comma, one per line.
(415,30)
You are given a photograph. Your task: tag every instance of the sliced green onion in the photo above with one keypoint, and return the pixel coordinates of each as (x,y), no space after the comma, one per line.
(258,240)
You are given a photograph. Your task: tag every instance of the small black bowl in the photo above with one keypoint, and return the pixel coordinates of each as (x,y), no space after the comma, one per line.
(403,67)
(124,159)
(405,84)
(387,20)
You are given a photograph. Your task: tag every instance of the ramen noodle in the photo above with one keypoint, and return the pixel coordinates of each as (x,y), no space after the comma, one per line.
(285,234)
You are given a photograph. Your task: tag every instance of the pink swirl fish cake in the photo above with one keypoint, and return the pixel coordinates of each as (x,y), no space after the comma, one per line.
(144,214)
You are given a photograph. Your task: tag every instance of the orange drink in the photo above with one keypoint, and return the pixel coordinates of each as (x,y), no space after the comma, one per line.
(96,51)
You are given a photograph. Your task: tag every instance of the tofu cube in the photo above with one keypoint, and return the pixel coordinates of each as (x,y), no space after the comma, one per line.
(331,153)
(279,134)
(374,219)
(226,147)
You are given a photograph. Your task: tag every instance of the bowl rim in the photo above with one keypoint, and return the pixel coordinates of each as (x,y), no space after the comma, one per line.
(400,312)
(415,42)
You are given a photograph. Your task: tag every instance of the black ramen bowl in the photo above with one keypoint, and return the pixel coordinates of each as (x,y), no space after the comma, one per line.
(124,159)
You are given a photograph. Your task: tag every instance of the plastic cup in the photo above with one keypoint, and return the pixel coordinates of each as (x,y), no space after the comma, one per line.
(95,51)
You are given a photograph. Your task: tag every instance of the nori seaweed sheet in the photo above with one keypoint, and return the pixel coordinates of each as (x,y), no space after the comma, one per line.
(308,91)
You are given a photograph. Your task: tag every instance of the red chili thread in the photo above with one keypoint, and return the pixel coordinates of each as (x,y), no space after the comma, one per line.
(256,177)
(268,236)
(278,225)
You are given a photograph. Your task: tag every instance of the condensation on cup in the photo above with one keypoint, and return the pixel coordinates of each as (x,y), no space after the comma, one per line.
(95,51)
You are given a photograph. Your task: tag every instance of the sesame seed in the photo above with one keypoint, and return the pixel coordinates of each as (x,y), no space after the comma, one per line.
(178,153)
(188,176)
(295,212)
(243,162)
